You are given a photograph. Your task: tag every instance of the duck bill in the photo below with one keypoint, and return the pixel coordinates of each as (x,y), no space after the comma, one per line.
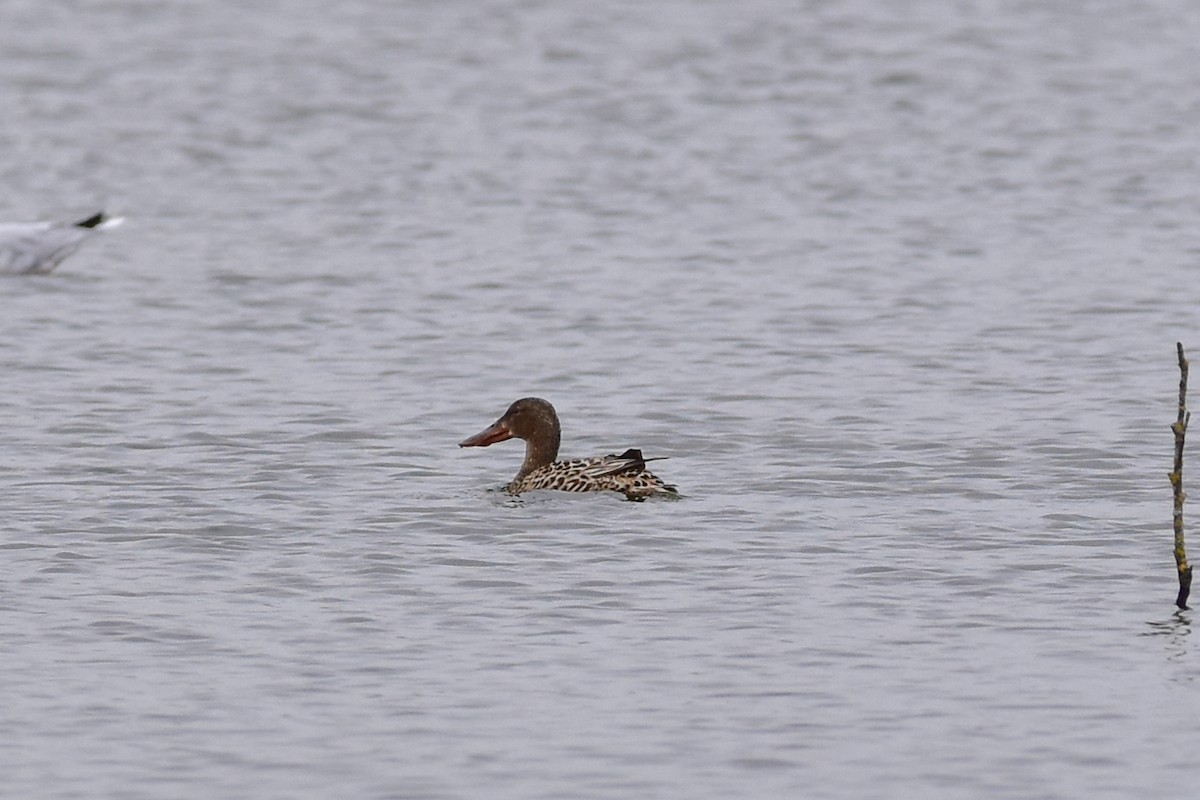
(496,433)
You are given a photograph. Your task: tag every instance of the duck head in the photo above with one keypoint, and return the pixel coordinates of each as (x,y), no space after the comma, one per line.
(530,418)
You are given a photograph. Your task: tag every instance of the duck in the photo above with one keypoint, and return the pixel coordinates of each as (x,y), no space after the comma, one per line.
(35,248)
(535,420)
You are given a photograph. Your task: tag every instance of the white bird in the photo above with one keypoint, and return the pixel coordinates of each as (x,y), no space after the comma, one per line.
(35,248)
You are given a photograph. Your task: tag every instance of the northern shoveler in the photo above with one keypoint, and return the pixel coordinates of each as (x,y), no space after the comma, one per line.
(35,248)
(533,419)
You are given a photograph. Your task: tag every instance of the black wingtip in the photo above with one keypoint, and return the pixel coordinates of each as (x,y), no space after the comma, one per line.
(635,454)
(91,221)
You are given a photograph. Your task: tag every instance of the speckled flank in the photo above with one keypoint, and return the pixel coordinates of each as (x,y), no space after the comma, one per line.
(595,475)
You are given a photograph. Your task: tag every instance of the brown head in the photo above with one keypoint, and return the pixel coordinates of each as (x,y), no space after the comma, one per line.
(530,418)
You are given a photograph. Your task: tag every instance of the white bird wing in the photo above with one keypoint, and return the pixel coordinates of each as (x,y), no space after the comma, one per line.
(31,247)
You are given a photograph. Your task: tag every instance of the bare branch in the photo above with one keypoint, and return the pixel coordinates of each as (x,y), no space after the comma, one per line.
(1176,476)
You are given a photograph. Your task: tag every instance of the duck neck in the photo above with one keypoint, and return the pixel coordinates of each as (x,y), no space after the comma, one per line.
(540,450)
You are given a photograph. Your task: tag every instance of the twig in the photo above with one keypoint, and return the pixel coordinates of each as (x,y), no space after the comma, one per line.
(1180,428)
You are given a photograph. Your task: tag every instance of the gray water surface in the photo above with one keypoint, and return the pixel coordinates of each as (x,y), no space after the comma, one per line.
(895,286)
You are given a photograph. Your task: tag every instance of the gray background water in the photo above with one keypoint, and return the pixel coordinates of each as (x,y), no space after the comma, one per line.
(895,285)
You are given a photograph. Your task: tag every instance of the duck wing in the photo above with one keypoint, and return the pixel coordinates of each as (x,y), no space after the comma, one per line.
(631,460)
